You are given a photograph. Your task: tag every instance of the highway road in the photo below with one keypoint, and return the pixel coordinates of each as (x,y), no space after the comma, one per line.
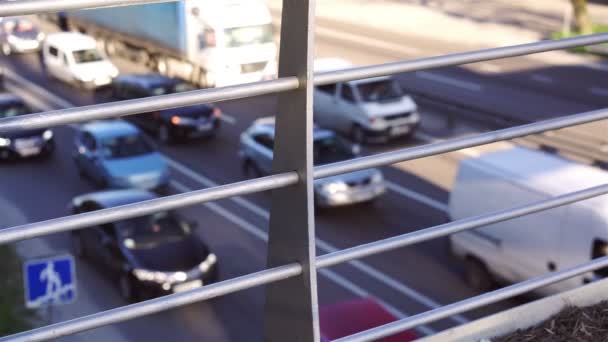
(408,281)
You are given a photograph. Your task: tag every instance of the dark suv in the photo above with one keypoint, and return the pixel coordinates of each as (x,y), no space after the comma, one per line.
(171,124)
(24,143)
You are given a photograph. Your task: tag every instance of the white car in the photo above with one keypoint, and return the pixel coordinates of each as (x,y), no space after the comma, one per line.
(74,58)
(369,109)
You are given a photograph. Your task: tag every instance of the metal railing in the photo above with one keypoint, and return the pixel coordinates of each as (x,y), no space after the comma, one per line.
(293,269)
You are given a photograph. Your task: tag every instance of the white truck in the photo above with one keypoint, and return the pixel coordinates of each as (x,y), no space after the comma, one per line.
(531,245)
(207,42)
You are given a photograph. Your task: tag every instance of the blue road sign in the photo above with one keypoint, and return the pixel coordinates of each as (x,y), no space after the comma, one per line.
(49,281)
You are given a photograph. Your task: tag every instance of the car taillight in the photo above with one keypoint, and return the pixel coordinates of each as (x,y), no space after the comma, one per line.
(217,112)
(176,120)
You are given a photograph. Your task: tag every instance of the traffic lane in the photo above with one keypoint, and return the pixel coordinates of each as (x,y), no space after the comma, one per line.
(42,199)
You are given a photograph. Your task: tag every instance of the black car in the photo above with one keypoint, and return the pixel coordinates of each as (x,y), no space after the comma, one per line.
(149,256)
(25,143)
(171,124)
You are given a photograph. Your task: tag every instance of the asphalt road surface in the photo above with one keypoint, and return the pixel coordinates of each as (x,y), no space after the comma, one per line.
(408,281)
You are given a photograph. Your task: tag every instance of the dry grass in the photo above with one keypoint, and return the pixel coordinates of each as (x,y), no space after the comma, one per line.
(571,324)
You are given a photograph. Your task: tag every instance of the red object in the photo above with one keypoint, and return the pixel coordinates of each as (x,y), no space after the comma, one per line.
(347,318)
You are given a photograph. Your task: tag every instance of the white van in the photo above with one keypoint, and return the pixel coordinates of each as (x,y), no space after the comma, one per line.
(369,109)
(532,245)
(74,58)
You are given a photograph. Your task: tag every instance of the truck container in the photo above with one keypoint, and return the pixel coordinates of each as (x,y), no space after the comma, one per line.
(207,42)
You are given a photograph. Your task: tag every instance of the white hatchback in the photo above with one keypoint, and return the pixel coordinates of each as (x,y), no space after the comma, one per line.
(74,58)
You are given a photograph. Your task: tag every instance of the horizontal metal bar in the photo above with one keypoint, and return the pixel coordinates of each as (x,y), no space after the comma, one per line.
(475,302)
(24,7)
(422,235)
(144,105)
(67,223)
(156,305)
(425,63)
(388,158)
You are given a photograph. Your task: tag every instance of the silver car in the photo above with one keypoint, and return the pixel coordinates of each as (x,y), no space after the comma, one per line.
(361,186)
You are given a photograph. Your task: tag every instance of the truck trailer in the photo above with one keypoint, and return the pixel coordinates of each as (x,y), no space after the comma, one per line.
(207,42)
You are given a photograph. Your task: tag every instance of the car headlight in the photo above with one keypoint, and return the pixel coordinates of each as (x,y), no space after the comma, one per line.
(5,142)
(12,39)
(207,263)
(377,178)
(40,36)
(335,187)
(47,135)
(147,275)
(86,78)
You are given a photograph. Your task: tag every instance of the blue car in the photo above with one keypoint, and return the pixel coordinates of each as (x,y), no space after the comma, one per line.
(115,154)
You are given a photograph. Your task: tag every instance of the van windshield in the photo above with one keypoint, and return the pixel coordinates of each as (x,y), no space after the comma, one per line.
(239,36)
(86,56)
(380,91)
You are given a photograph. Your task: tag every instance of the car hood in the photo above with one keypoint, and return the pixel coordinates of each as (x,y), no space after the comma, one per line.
(23,134)
(379,109)
(136,165)
(356,177)
(182,255)
(94,69)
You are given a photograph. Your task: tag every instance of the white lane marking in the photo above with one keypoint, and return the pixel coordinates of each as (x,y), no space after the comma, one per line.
(263,236)
(249,205)
(327,247)
(476,87)
(418,197)
(599,91)
(541,78)
(228,119)
(359,39)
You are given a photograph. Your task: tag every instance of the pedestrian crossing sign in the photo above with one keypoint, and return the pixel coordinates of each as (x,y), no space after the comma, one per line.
(49,281)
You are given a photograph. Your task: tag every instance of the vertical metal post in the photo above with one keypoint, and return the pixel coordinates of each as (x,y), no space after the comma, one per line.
(291,312)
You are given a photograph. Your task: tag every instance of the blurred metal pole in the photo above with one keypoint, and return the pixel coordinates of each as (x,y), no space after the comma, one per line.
(291,312)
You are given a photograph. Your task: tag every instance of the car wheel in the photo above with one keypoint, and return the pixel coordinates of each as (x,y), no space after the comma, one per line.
(77,246)
(125,285)
(477,275)
(6,49)
(164,134)
(357,134)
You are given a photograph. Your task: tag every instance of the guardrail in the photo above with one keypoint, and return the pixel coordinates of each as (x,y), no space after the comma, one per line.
(292,263)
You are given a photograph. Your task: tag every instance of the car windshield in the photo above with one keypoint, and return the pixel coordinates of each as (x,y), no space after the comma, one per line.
(13,109)
(169,89)
(87,56)
(239,36)
(152,231)
(331,149)
(380,91)
(126,146)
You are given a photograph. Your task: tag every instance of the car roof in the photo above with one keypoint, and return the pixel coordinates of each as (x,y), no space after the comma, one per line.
(109,128)
(267,124)
(10,97)
(148,80)
(350,317)
(114,198)
(71,41)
